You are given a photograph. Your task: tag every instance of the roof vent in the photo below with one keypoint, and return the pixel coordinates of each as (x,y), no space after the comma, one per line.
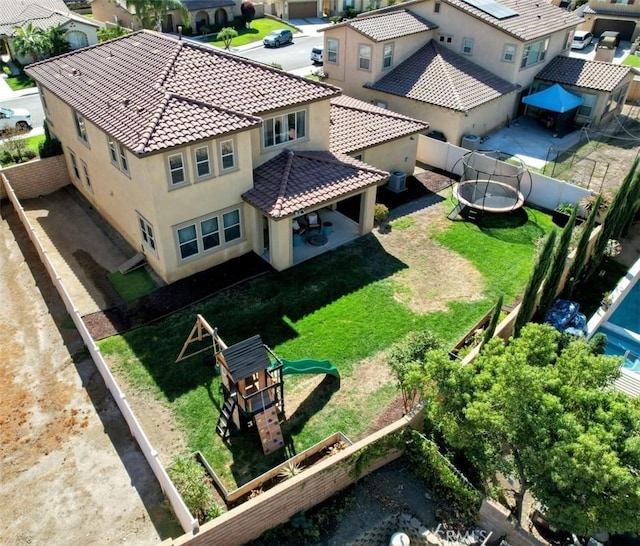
(75,72)
(125,102)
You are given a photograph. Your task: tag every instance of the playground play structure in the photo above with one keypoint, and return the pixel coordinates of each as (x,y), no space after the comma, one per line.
(252,382)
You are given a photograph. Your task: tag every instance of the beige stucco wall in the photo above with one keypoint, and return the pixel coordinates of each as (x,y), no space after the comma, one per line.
(111,12)
(399,155)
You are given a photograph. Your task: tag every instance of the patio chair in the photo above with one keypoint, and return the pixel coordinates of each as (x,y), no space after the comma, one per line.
(314,222)
(298,227)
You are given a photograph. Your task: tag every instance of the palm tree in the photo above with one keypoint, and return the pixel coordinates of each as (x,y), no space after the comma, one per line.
(151,13)
(56,41)
(30,41)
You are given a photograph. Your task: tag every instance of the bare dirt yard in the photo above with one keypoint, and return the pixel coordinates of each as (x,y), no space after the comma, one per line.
(70,471)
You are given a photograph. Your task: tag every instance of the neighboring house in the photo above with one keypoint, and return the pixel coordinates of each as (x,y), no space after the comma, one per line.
(456,64)
(44,14)
(198,166)
(202,12)
(617,15)
(603,87)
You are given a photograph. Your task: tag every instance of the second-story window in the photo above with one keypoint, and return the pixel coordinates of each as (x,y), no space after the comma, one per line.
(509,53)
(467,46)
(118,155)
(176,169)
(227,154)
(113,154)
(203,163)
(124,163)
(387,56)
(436,7)
(280,129)
(332,51)
(81,129)
(74,165)
(534,53)
(364,57)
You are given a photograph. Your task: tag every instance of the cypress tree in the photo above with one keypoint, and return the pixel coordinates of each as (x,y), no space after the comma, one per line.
(552,280)
(495,317)
(535,280)
(581,250)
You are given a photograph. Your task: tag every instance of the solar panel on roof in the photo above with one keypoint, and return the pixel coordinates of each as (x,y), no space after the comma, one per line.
(493,8)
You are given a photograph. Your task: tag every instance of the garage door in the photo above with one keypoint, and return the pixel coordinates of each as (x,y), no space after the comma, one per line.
(301,10)
(625,28)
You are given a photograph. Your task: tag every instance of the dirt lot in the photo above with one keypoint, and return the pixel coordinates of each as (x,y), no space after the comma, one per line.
(71,473)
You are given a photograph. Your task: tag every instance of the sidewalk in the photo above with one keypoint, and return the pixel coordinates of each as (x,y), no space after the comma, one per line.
(7,93)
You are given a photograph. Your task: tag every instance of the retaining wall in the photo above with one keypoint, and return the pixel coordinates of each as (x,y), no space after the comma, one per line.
(37,177)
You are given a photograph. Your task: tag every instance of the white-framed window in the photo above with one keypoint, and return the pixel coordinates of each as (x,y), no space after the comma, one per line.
(332,51)
(534,53)
(147,234)
(228,155)
(113,152)
(436,7)
(509,53)
(124,162)
(177,171)
(284,128)
(74,164)
(76,39)
(387,56)
(588,102)
(445,39)
(87,178)
(208,233)
(467,46)
(81,129)
(202,161)
(364,57)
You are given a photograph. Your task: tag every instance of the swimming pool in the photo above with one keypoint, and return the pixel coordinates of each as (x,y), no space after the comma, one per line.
(623,330)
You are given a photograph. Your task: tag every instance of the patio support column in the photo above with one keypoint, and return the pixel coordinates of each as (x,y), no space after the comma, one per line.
(367,208)
(281,250)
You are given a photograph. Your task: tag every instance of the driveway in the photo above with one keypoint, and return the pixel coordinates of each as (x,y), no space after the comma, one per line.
(71,472)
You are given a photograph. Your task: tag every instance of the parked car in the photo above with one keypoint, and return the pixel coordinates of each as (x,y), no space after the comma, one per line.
(278,37)
(581,39)
(610,37)
(18,118)
(316,55)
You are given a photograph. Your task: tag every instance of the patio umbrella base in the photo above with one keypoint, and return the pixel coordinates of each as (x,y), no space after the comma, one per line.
(317,240)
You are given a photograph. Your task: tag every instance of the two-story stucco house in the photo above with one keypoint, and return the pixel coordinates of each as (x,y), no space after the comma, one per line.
(44,14)
(197,156)
(462,65)
(616,15)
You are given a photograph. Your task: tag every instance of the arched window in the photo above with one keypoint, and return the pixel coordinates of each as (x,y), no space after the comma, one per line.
(77,39)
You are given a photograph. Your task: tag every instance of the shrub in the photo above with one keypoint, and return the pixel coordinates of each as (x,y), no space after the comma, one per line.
(5,157)
(380,213)
(30,154)
(598,343)
(193,484)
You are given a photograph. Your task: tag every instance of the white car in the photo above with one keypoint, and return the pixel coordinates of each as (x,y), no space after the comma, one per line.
(581,39)
(18,118)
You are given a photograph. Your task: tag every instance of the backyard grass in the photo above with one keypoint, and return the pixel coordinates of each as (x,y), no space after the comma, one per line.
(342,307)
(20,82)
(259,29)
(33,142)
(133,285)
(631,60)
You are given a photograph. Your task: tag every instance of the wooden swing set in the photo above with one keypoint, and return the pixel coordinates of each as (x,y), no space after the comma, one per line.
(251,383)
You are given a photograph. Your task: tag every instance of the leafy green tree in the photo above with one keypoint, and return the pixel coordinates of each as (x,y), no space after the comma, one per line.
(530,297)
(56,41)
(30,41)
(495,318)
(581,250)
(111,32)
(554,276)
(543,412)
(248,13)
(226,35)
(151,13)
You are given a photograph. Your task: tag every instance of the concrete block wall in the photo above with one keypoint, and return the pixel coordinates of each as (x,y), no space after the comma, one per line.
(37,177)
(314,485)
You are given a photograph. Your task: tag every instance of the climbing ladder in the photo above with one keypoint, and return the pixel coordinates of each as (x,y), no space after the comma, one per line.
(224,420)
(269,430)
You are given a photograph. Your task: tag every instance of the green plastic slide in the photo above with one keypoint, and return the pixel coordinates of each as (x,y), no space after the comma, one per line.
(306,365)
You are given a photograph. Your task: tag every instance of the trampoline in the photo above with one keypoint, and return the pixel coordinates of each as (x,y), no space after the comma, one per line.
(489,184)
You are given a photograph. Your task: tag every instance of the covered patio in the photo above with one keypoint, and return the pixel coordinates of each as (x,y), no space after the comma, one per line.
(295,187)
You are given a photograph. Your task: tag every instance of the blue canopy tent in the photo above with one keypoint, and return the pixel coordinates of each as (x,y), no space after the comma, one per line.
(558,100)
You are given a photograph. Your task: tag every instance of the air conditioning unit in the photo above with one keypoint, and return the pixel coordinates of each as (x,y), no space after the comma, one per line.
(397,181)
(470,142)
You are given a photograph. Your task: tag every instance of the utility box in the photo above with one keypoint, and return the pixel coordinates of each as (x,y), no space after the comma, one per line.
(397,181)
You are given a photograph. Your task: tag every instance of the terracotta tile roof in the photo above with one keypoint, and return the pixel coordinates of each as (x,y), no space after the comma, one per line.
(42,14)
(292,181)
(611,9)
(357,125)
(194,5)
(137,84)
(437,75)
(595,75)
(389,25)
(535,19)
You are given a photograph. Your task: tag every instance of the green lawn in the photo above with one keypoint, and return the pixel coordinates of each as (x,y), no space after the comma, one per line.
(20,82)
(631,60)
(33,142)
(259,29)
(133,285)
(341,307)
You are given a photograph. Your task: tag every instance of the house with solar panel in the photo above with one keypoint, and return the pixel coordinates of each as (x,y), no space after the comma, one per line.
(462,65)
(197,156)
